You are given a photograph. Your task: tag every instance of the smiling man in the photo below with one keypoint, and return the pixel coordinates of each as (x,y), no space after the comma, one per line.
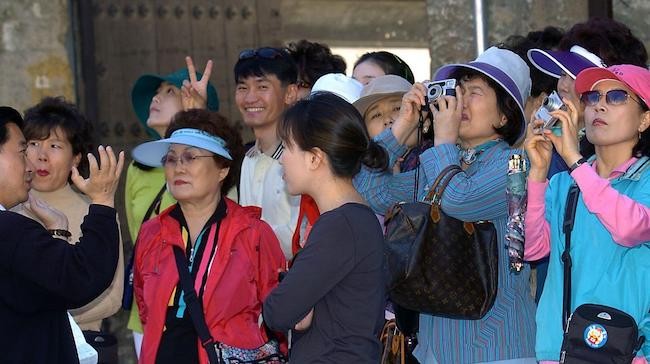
(41,275)
(266,86)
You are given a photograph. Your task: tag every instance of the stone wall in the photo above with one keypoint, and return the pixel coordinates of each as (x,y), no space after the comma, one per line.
(451,23)
(36,47)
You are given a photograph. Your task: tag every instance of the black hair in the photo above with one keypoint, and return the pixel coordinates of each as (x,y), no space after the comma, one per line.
(8,115)
(642,147)
(215,124)
(549,38)
(390,63)
(42,119)
(612,41)
(281,66)
(315,60)
(328,122)
(506,105)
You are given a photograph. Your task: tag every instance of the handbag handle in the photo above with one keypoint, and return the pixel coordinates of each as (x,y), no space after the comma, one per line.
(194,308)
(438,187)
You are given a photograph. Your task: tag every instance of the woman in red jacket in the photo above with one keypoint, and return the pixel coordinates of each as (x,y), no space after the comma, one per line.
(233,257)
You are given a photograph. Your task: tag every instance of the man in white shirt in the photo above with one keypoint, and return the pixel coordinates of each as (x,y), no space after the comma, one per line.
(266,86)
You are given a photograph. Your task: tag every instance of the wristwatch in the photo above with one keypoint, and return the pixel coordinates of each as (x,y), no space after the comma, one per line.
(60,233)
(577,164)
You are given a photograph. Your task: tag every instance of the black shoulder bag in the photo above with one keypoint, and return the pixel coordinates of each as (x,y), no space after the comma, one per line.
(219,353)
(437,264)
(593,334)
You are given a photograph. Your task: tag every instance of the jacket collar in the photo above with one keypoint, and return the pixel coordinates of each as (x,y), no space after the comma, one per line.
(635,171)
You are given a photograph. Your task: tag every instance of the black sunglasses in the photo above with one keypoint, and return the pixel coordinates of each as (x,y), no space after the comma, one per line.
(612,97)
(264,52)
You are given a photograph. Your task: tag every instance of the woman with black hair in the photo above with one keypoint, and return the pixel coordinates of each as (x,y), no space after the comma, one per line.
(374,64)
(474,130)
(610,240)
(59,138)
(333,296)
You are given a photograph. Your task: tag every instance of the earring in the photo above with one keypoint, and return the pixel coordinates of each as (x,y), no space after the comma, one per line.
(425,129)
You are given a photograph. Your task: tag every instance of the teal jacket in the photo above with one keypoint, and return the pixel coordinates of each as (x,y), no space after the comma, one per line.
(603,272)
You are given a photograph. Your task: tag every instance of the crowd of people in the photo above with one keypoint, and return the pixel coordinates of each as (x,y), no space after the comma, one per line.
(273,251)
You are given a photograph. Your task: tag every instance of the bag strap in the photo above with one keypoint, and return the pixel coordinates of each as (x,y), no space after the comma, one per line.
(155,204)
(567,227)
(194,308)
(441,183)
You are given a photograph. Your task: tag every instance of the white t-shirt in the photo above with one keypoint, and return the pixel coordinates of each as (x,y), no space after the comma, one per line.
(261,185)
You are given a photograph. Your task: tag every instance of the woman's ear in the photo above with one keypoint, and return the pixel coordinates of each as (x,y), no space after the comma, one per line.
(316,158)
(645,122)
(223,173)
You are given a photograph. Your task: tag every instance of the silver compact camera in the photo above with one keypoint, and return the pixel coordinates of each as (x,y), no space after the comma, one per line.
(435,89)
(551,103)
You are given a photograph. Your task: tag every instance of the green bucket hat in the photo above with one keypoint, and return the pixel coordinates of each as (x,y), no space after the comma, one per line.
(145,88)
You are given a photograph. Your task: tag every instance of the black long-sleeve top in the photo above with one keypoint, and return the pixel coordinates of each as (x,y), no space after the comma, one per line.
(41,277)
(339,273)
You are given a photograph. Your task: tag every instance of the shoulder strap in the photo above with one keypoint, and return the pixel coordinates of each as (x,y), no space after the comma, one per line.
(442,181)
(567,227)
(155,204)
(194,308)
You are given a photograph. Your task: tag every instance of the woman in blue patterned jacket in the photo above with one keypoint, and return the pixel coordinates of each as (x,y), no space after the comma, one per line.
(475,130)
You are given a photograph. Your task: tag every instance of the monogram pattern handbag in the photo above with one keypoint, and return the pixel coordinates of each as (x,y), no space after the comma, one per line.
(437,264)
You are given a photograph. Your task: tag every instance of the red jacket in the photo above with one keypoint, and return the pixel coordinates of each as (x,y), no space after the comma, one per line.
(245,270)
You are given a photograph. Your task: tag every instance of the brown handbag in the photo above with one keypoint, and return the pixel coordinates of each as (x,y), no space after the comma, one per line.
(437,264)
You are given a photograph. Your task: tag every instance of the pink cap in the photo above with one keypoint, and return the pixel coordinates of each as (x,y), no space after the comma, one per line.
(635,77)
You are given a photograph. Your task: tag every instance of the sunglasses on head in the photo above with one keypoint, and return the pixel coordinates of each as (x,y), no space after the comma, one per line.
(264,52)
(612,97)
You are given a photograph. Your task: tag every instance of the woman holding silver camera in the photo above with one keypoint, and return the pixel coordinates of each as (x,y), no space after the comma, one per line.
(611,235)
(474,130)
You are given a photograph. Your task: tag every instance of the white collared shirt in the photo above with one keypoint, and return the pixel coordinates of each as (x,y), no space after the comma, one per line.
(2,208)
(261,185)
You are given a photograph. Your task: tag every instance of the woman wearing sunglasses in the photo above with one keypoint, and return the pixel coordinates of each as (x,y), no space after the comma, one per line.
(232,256)
(610,240)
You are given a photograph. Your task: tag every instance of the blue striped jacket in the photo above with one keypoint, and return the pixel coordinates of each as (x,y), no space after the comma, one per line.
(508,329)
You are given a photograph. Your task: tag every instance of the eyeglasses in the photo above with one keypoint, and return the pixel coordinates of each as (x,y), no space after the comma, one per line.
(612,97)
(186,159)
(264,52)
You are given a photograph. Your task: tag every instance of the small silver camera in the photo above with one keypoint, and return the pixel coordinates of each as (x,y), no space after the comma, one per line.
(435,89)
(551,103)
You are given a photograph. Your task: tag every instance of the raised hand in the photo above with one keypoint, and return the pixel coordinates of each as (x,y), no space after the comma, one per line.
(104,176)
(539,149)
(194,93)
(48,215)
(446,118)
(567,145)
(409,113)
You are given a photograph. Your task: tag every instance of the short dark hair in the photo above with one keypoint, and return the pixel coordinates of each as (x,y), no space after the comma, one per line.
(55,112)
(8,115)
(506,104)
(281,66)
(390,63)
(612,41)
(217,125)
(315,60)
(328,122)
(549,38)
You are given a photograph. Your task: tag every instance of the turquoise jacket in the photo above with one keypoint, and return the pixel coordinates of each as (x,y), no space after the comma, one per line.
(603,272)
